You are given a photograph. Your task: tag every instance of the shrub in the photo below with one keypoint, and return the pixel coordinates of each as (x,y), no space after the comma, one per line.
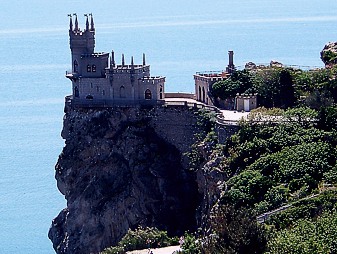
(141,238)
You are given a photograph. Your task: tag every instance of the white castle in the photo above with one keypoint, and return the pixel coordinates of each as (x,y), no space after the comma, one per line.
(98,80)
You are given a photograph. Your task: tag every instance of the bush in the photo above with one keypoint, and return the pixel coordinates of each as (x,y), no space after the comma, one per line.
(191,244)
(141,238)
(307,236)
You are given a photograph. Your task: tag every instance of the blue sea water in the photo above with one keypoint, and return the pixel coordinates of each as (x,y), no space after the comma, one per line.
(179,39)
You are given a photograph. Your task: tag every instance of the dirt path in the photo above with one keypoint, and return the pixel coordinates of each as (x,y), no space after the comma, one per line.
(165,250)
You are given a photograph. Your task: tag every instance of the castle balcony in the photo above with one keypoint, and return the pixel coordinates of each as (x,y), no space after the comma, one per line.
(72,75)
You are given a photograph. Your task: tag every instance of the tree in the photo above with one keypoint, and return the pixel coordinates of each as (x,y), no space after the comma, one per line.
(236,231)
(287,91)
(238,83)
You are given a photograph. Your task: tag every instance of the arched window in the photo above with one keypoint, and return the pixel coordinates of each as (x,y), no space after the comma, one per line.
(148,94)
(77,93)
(103,92)
(75,67)
(122,92)
(88,68)
(93,69)
(203,95)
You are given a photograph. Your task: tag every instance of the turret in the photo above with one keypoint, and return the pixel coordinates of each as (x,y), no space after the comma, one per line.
(70,23)
(76,23)
(81,42)
(132,64)
(86,23)
(144,63)
(231,67)
(112,59)
(92,27)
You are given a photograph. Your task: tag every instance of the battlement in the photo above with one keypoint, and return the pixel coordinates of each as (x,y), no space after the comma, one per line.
(211,76)
(153,80)
(97,55)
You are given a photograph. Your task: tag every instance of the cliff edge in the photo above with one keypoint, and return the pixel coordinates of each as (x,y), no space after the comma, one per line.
(121,168)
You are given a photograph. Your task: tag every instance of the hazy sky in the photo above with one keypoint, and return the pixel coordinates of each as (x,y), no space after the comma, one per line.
(20,14)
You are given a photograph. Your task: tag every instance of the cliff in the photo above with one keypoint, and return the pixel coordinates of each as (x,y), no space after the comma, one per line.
(124,167)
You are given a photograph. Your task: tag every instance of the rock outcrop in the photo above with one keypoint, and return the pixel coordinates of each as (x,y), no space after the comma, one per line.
(120,168)
(329,54)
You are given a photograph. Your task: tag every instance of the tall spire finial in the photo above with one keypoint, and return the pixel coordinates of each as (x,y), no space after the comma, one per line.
(123,61)
(112,62)
(144,63)
(76,22)
(87,22)
(92,28)
(132,64)
(70,23)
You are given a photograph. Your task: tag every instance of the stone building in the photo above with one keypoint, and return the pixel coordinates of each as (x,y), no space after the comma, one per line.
(97,79)
(246,102)
(204,81)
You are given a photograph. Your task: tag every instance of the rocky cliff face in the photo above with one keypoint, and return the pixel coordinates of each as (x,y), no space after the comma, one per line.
(329,54)
(120,168)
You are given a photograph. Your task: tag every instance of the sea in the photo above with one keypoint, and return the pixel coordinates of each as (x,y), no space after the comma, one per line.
(179,39)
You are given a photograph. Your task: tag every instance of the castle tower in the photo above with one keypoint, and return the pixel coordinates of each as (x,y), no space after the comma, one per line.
(81,42)
(231,67)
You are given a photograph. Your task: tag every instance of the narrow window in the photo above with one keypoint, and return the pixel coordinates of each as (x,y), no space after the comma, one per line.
(161,93)
(77,93)
(148,94)
(203,95)
(75,66)
(93,69)
(88,68)
(199,95)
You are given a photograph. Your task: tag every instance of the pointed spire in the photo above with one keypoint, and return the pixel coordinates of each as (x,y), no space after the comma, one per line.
(70,23)
(123,61)
(87,22)
(76,23)
(144,63)
(132,64)
(92,28)
(112,62)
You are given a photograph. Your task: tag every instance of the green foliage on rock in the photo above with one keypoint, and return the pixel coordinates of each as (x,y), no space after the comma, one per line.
(234,231)
(282,87)
(278,157)
(307,237)
(239,82)
(141,238)
(191,245)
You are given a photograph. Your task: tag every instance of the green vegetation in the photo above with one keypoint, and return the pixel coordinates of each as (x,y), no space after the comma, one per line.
(307,236)
(284,154)
(278,157)
(141,238)
(282,87)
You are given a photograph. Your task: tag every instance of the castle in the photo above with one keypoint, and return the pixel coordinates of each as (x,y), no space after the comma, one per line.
(98,80)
